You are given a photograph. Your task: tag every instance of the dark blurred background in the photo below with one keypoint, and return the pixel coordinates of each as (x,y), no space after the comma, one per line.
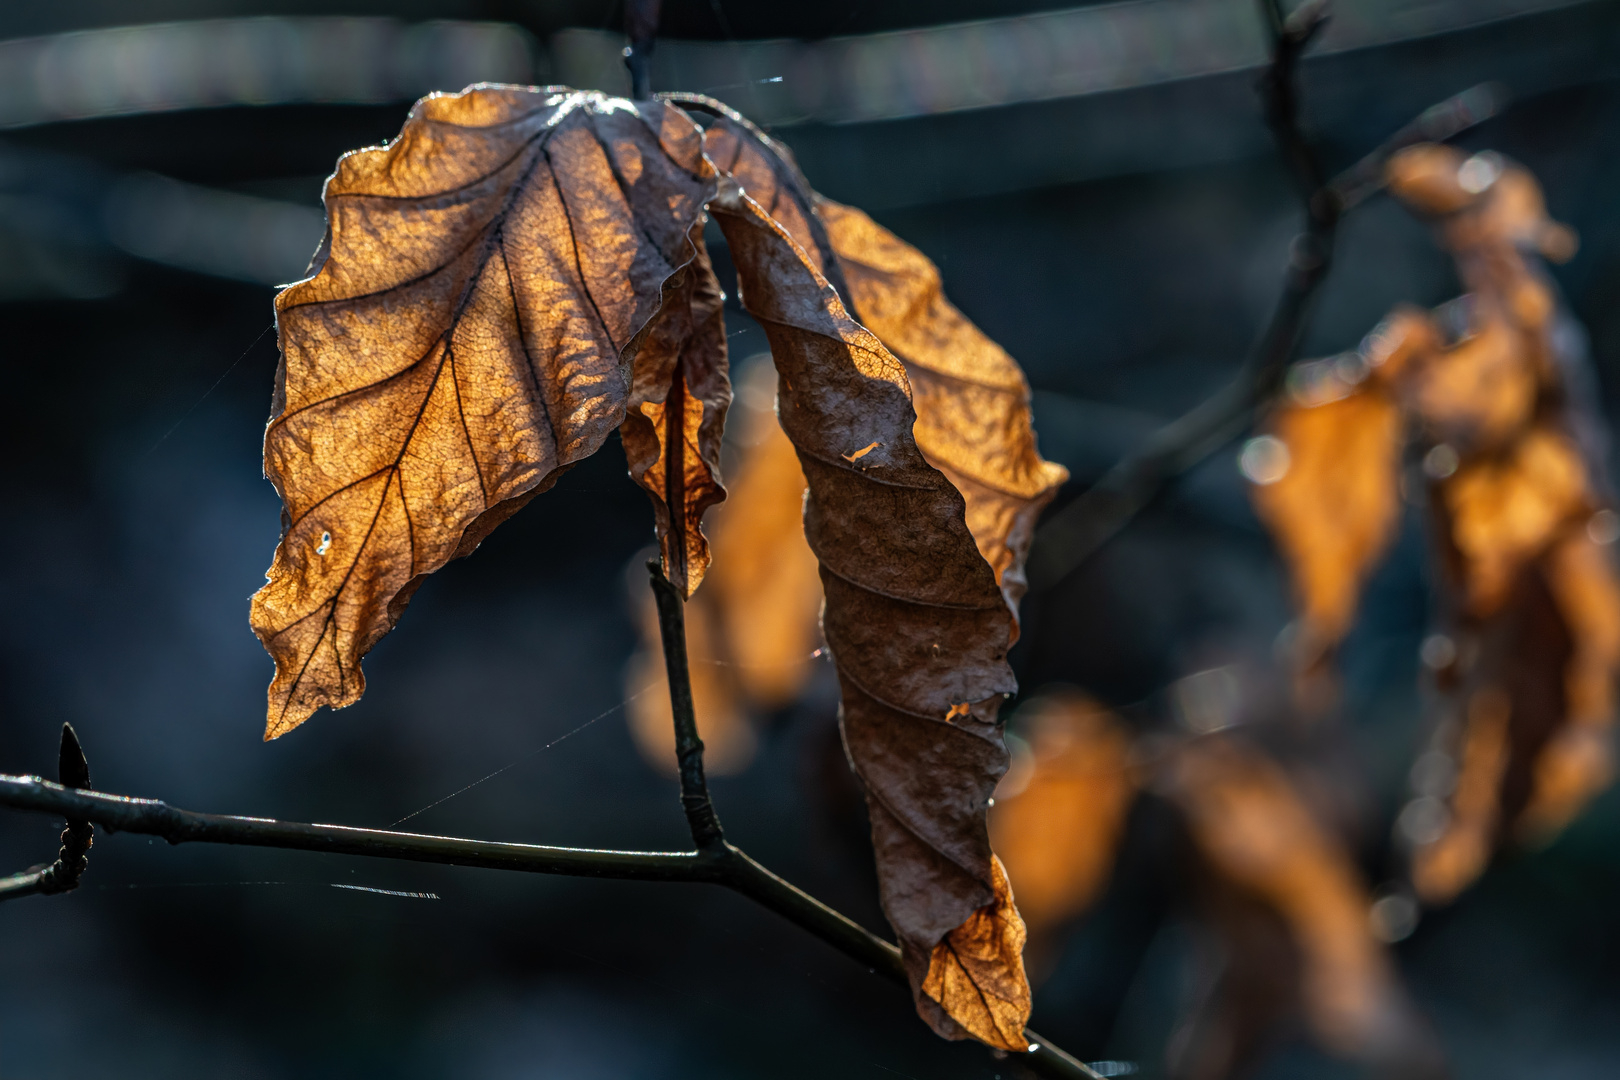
(1099,190)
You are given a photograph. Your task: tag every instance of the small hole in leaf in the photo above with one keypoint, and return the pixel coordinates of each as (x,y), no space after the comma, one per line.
(325,544)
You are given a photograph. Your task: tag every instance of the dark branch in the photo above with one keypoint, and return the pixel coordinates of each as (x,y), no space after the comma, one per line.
(700,815)
(721,865)
(1075,533)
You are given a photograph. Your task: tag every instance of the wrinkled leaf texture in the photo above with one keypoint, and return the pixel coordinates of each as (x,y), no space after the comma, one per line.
(499,288)
(924,483)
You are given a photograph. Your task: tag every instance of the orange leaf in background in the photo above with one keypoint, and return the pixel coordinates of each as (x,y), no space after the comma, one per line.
(723,724)
(1334,510)
(1480,391)
(1504,511)
(765,586)
(1059,815)
(914,618)
(468,333)
(1578,761)
(1257,833)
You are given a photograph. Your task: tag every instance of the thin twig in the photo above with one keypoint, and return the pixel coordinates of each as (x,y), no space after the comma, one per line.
(722,865)
(1075,533)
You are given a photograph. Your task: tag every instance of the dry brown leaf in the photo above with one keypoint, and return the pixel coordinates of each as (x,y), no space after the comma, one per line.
(468,333)
(914,616)
(1257,833)
(765,585)
(1335,509)
(1503,511)
(1058,829)
(680,391)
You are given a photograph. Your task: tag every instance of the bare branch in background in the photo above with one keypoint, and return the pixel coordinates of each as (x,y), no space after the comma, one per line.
(1076,532)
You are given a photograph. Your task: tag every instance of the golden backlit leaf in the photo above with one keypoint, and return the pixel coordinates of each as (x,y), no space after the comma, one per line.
(467,334)
(972,401)
(914,617)
(1059,816)
(1504,510)
(1257,833)
(1335,509)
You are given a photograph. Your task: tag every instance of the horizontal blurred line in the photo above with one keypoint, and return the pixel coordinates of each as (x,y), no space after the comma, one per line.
(207,63)
(210,231)
(977,65)
(267,60)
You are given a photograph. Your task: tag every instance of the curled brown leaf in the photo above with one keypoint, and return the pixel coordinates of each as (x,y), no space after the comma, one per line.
(914,617)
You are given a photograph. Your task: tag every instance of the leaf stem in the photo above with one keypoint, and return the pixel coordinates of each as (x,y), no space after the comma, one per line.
(1076,532)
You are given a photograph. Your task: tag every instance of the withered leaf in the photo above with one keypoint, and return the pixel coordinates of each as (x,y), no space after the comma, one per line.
(915,621)
(468,333)
(1257,833)
(680,391)
(1335,509)
(1058,830)
(1477,393)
